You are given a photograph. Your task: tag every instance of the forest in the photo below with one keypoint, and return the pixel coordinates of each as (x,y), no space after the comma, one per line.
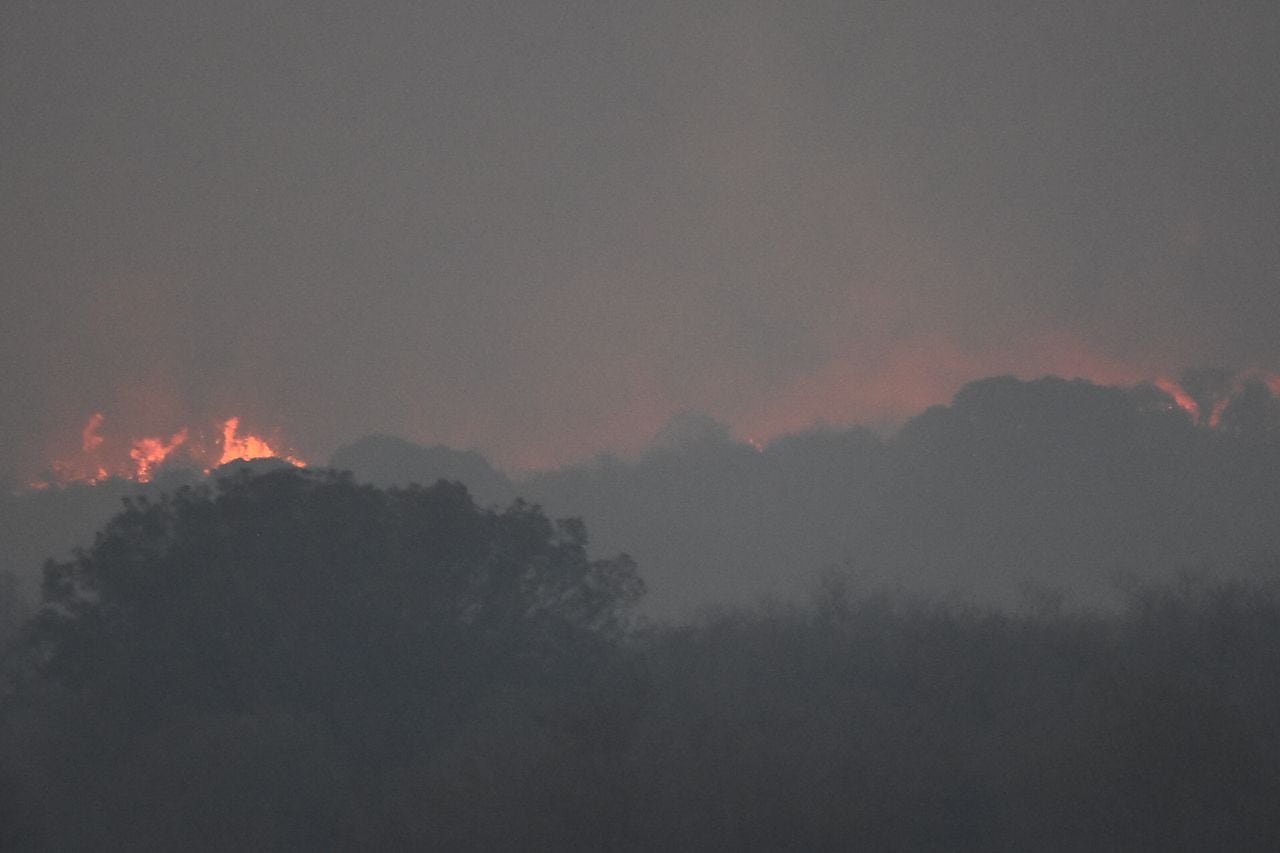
(292,659)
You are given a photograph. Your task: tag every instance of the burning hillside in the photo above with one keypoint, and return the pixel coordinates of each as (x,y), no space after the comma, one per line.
(102,455)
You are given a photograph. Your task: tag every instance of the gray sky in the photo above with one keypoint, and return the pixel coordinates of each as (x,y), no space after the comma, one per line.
(541,229)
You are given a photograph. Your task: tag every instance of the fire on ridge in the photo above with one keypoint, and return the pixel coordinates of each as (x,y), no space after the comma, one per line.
(1203,394)
(103,456)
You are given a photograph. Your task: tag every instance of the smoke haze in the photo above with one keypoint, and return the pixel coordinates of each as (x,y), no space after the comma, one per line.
(812,425)
(542,230)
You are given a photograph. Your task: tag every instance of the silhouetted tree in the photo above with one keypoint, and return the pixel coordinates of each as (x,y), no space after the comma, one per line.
(296,639)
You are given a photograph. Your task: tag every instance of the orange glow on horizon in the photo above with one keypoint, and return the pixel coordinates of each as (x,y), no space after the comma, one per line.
(884,389)
(848,390)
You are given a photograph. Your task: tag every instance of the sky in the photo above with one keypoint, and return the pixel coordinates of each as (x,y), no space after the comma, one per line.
(543,229)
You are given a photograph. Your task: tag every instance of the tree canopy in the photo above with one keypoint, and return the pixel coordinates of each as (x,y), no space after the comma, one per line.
(299,621)
(285,586)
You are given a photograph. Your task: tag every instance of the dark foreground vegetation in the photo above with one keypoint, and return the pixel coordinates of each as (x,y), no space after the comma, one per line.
(294,661)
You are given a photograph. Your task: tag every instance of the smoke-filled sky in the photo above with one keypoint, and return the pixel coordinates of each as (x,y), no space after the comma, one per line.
(541,229)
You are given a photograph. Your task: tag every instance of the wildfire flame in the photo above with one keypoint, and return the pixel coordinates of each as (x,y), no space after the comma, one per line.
(247,447)
(1205,396)
(1214,401)
(1180,397)
(149,452)
(137,459)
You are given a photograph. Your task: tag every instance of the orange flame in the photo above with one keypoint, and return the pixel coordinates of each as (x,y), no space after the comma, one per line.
(236,447)
(137,459)
(149,452)
(1238,383)
(1180,397)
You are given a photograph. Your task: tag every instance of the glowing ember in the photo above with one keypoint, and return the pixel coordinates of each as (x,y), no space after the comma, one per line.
(102,457)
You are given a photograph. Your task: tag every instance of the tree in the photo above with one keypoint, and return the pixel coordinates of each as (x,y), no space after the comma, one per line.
(372,627)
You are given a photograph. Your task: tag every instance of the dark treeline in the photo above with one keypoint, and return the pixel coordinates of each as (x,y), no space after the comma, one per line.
(292,660)
(1013,492)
